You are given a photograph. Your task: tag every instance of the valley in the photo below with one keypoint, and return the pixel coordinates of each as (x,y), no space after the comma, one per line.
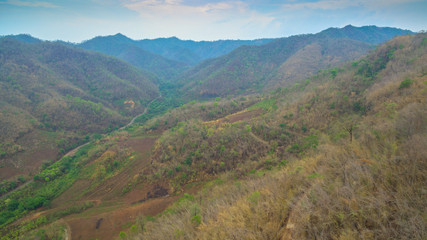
(317,136)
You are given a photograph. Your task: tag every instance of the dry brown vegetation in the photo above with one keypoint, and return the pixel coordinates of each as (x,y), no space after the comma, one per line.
(341,155)
(363,178)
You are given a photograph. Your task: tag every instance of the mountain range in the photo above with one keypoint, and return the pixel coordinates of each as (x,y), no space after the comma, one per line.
(166,57)
(314,136)
(278,63)
(52,86)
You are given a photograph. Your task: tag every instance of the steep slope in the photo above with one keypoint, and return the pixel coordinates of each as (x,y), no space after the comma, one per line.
(320,54)
(258,68)
(52,95)
(126,49)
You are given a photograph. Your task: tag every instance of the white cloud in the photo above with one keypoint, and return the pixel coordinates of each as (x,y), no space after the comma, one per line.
(324,5)
(207,20)
(179,8)
(29,4)
(342,4)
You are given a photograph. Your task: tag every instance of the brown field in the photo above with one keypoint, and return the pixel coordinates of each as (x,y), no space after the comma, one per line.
(108,224)
(29,161)
(114,212)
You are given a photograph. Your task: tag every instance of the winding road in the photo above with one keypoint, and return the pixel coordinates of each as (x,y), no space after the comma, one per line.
(145,111)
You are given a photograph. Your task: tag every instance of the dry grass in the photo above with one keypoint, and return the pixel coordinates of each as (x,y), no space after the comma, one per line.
(249,209)
(345,191)
(369,187)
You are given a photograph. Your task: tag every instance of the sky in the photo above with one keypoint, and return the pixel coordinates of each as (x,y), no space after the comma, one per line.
(79,20)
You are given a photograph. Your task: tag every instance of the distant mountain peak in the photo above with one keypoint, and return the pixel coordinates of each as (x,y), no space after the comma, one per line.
(120,35)
(27,38)
(173,38)
(117,36)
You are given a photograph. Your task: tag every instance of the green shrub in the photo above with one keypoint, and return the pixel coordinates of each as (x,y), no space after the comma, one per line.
(295,148)
(188,161)
(122,235)
(254,197)
(34,202)
(359,107)
(12,204)
(186,197)
(304,128)
(196,220)
(405,83)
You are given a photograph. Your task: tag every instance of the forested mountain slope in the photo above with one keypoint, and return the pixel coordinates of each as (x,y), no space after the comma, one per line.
(166,57)
(52,95)
(339,155)
(369,34)
(193,52)
(126,49)
(260,68)
(25,38)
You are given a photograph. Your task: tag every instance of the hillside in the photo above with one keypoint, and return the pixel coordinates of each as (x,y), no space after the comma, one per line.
(262,68)
(166,57)
(193,52)
(25,38)
(369,34)
(126,49)
(54,96)
(339,155)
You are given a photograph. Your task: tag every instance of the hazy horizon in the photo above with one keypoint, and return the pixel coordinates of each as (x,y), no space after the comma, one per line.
(204,20)
(171,36)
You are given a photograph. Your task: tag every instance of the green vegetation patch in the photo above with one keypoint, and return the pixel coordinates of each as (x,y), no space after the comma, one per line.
(267,104)
(405,83)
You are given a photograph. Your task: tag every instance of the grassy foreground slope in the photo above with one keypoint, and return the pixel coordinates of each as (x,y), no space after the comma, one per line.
(52,95)
(344,158)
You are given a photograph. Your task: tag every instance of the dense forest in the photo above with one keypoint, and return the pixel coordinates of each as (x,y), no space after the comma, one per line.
(318,136)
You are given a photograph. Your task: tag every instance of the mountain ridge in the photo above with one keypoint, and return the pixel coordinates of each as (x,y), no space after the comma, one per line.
(338,154)
(125,48)
(252,68)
